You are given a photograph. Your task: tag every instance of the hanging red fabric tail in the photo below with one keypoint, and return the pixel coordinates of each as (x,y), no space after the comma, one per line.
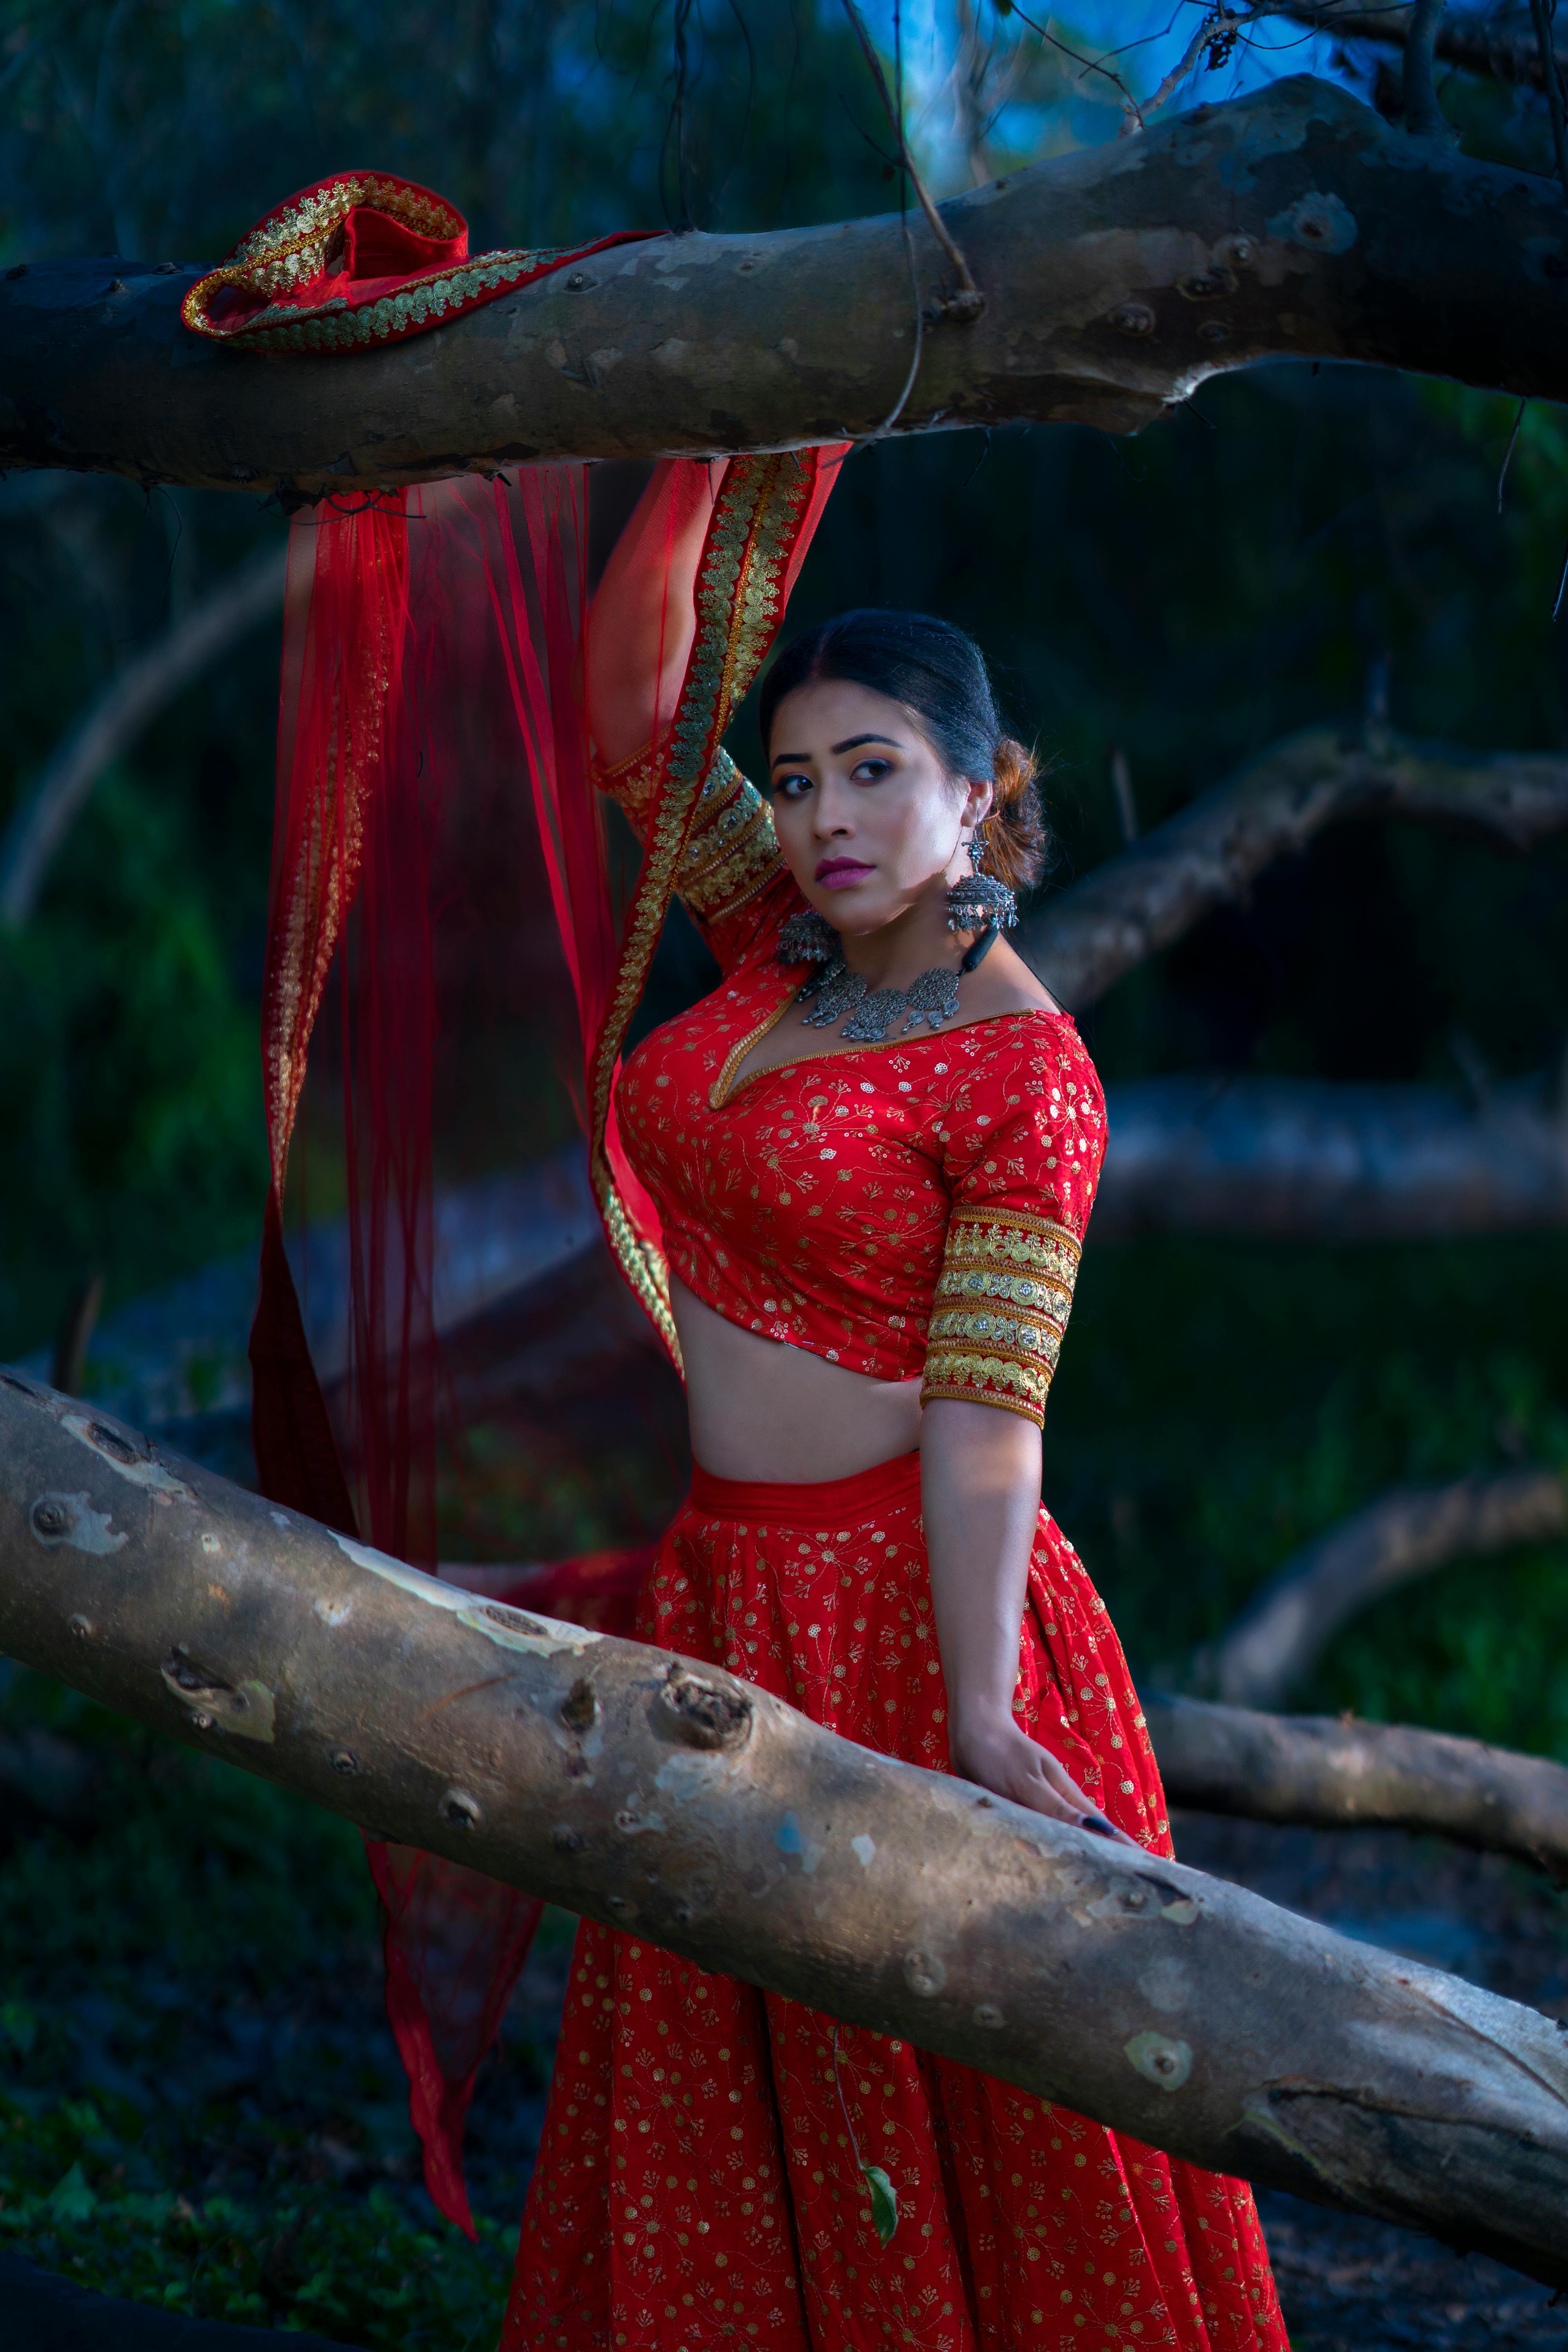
(435,821)
(426,678)
(345,617)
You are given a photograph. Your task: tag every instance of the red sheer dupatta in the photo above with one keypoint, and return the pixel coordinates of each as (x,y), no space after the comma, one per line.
(436,819)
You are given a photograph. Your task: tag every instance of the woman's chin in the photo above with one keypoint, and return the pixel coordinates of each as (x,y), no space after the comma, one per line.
(854,909)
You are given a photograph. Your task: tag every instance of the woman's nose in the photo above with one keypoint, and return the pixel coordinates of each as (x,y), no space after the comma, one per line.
(831,814)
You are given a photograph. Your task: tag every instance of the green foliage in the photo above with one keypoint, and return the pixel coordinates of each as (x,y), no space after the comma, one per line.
(200,2105)
(1219,1405)
(129,1069)
(358,2271)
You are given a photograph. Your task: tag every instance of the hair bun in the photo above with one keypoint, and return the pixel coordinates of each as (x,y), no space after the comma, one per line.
(1016,772)
(1015,837)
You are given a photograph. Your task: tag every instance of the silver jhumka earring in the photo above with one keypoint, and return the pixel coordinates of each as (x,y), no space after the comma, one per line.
(980,902)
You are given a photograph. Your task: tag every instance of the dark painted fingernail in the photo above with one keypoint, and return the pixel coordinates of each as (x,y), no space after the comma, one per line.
(1098,1824)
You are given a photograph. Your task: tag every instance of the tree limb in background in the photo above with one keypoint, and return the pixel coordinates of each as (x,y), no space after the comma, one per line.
(1208,854)
(128,705)
(1328,1772)
(1291,222)
(1314,1160)
(1404,1534)
(1467,42)
(653,1794)
(1423,115)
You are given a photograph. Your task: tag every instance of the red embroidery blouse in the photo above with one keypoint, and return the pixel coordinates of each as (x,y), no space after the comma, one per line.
(912,1206)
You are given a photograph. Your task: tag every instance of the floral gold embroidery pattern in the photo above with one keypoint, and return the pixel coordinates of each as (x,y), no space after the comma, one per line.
(1002,1303)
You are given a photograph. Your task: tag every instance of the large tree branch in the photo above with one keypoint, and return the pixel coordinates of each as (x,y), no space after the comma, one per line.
(674,1799)
(1291,222)
(1310,1159)
(1331,1773)
(1209,853)
(127,704)
(1404,1534)
(1468,41)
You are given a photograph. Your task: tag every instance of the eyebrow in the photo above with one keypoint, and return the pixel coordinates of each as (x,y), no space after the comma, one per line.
(850,743)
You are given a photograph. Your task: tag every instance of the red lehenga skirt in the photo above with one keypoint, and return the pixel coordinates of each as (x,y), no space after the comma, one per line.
(696,2186)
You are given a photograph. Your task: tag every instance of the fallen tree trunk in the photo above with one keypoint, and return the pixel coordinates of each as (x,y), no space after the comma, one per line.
(1290,223)
(1299,1159)
(675,1799)
(1328,1773)
(1210,852)
(1403,1535)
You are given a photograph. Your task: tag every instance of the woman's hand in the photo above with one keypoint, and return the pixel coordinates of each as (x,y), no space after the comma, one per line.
(1004,1759)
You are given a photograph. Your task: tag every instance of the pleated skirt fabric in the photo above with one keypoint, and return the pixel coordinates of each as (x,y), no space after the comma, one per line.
(696,2185)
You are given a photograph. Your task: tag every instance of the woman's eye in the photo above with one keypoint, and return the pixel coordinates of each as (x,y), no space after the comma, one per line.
(869,772)
(791,788)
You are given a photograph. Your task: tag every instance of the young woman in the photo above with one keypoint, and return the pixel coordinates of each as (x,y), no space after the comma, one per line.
(873,1150)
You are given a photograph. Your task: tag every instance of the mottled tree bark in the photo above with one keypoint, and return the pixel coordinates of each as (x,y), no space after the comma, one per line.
(1291,223)
(651,1793)
(1329,1773)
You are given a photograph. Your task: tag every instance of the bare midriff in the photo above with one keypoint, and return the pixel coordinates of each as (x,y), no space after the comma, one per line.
(761,1410)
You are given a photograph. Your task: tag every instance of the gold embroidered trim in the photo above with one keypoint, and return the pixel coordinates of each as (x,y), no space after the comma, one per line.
(979,1379)
(718,1093)
(1035,1343)
(896,1044)
(341,326)
(317,891)
(1001,1309)
(757,516)
(740,852)
(732,851)
(291,247)
(1016,1222)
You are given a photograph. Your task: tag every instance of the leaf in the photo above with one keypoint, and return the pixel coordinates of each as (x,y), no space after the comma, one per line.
(884,2202)
(73,2201)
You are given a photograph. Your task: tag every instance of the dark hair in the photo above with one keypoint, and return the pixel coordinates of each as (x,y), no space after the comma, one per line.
(940,676)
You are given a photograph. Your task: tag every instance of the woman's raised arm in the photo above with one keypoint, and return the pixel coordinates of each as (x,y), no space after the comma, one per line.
(642,618)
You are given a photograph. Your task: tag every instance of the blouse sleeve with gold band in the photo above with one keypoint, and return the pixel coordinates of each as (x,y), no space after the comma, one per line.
(731,876)
(1023,1138)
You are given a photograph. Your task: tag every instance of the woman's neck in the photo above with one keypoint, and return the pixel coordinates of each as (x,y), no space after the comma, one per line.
(916,940)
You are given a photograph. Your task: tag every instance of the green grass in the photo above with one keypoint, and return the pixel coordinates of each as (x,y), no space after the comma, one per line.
(191,2052)
(1220,1405)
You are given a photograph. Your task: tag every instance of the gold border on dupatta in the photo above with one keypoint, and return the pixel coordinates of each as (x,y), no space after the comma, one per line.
(740,598)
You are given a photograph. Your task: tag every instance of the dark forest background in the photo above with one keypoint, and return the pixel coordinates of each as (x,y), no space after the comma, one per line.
(1290,541)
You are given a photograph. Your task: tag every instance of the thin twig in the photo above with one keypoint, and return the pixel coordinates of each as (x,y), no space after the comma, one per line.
(1508,453)
(968,304)
(897,410)
(1221,26)
(1089,65)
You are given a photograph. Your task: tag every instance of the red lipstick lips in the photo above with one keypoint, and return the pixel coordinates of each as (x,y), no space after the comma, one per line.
(837,873)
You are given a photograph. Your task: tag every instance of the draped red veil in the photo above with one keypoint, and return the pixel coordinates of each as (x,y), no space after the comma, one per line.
(438,842)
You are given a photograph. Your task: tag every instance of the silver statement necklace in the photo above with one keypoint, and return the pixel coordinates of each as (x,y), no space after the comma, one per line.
(870,1015)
